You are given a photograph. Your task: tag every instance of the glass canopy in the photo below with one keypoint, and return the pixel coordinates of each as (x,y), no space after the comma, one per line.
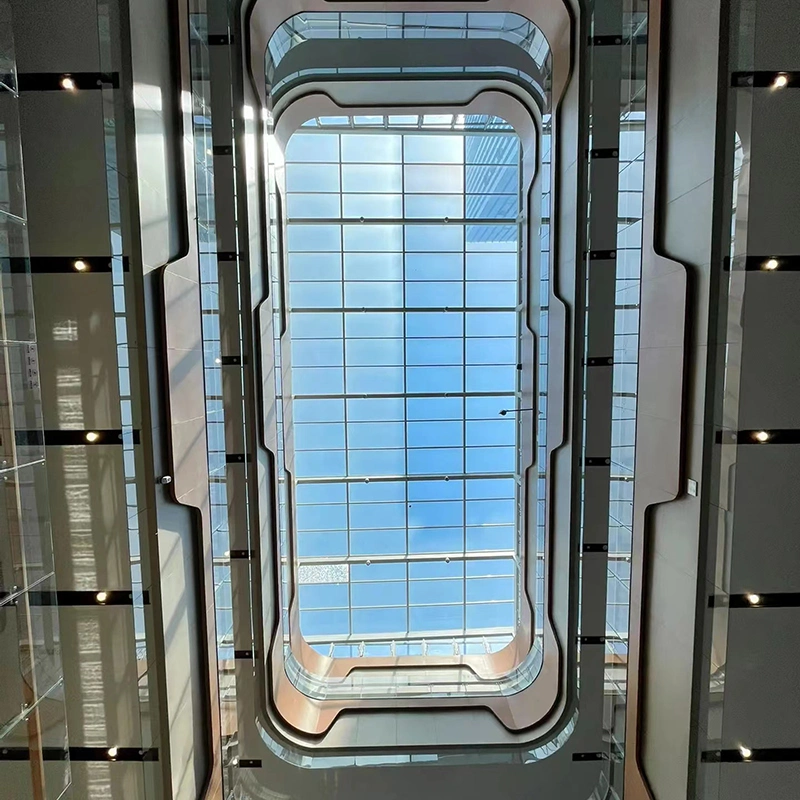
(399,370)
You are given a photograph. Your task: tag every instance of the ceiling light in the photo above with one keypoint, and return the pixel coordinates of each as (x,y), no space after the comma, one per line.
(80,265)
(68,84)
(101,597)
(745,751)
(112,752)
(781,81)
(771,263)
(92,437)
(753,599)
(761,436)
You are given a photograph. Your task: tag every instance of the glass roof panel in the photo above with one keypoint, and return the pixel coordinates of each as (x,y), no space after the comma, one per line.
(402,345)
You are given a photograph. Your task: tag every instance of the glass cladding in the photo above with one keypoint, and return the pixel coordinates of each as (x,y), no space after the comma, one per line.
(32,701)
(403,267)
(347,26)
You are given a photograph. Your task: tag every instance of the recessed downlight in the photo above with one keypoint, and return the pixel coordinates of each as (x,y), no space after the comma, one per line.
(92,437)
(112,752)
(101,597)
(781,81)
(746,752)
(753,598)
(68,84)
(79,265)
(771,264)
(762,436)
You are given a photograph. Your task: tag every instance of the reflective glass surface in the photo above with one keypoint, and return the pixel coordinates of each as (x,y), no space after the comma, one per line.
(393,26)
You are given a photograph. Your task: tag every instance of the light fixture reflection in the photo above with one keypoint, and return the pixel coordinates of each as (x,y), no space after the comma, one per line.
(771,264)
(745,751)
(68,84)
(101,597)
(80,265)
(753,599)
(92,437)
(781,81)
(761,436)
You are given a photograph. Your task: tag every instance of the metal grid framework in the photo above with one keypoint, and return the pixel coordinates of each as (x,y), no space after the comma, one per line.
(404,300)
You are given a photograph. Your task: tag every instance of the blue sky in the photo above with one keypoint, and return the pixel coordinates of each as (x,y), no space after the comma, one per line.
(369,335)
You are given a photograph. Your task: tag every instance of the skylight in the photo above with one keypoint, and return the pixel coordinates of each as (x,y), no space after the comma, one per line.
(401,352)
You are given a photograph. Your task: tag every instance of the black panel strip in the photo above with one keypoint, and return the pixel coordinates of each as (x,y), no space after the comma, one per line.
(756,600)
(66,264)
(609,40)
(764,79)
(751,754)
(241,555)
(67,438)
(591,639)
(82,754)
(768,263)
(115,754)
(250,763)
(226,255)
(235,458)
(97,597)
(591,461)
(599,361)
(760,437)
(590,756)
(52,81)
(245,654)
(24,754)
(602,255)
(233,361)
(222,149)
(595,547)
(29,438)
(43,265)
(220,38)
(604,152)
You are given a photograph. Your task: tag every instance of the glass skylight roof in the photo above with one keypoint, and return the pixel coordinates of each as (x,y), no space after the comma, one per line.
(401,351)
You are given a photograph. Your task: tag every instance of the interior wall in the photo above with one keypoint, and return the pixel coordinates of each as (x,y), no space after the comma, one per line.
(749,740)
(686,221)
(162,147)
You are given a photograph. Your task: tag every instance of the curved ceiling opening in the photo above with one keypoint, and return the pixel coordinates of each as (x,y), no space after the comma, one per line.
(405,309)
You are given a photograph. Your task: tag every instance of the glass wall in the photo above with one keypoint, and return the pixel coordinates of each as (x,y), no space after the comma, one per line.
(354,25)
(32,712)
(213,363)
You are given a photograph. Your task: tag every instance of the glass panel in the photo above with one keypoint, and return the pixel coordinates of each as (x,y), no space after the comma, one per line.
(400,450)
(26,552)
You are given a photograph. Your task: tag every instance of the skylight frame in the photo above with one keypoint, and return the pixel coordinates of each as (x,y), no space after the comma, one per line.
(518,664)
